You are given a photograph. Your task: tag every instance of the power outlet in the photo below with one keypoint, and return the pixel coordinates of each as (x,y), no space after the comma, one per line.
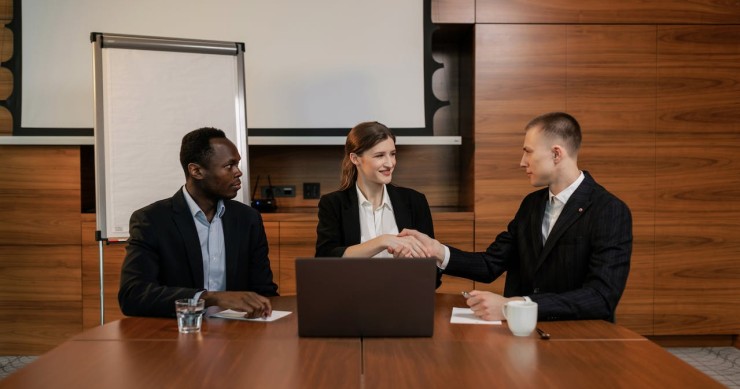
(311,190)
(277,191)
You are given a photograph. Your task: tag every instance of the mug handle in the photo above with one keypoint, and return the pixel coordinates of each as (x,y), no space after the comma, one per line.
(503,311)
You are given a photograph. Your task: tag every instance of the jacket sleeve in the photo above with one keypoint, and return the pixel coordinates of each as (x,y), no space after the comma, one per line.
(140,292)
(329,241)
(484,266)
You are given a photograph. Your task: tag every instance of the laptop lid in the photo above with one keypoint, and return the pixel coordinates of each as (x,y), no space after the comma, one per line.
(365,297)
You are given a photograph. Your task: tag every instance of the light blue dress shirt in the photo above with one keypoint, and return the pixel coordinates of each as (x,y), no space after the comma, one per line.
(212,245)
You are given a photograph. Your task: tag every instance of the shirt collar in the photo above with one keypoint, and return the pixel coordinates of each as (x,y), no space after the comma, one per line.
(195,209)
(567,192)
(365,202)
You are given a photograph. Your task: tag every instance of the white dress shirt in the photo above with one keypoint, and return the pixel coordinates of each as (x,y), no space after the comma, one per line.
(555,206)
(376,222)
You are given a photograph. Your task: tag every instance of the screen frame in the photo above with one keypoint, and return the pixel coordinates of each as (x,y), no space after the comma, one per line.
(431,102)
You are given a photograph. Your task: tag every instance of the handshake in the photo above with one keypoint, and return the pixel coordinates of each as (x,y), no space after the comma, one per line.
(413,244)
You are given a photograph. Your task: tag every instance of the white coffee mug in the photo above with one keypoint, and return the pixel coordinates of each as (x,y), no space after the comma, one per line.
(521,316)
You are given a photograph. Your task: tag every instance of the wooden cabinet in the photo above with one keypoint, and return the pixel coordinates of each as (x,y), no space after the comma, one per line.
(297,239)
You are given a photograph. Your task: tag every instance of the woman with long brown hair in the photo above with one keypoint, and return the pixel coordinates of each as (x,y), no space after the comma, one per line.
(363,218)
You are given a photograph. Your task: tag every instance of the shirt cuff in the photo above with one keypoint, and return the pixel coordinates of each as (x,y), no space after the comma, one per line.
(446,259)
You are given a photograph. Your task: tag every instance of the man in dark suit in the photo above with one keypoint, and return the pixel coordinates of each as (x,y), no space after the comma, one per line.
(568,248)
(199,243)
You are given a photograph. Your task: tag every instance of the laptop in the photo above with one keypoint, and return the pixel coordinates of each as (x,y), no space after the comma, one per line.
(365,297)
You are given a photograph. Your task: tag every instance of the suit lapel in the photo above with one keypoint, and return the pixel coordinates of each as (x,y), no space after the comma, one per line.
(351,216)
(536,222)
(578,203)
(401,208)
(186,226)
(231,243)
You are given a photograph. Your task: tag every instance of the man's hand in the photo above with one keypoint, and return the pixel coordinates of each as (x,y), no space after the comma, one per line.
(432,246)
(252,304)
(406,247)
(487,305)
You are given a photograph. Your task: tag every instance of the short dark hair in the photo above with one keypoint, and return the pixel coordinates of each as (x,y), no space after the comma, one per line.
(559,124)
(196,147)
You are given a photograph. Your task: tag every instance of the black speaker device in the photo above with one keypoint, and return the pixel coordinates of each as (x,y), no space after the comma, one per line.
(263,205)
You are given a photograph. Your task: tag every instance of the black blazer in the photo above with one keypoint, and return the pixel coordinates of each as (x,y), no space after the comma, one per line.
(164,262)
(339,218)
(581,271)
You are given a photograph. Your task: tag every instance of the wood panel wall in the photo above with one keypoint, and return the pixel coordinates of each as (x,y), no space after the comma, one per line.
(605,77)
(697,255)
(659,110)
(40,274)
(453,11)
(518,70)
(430,169)
(607,11)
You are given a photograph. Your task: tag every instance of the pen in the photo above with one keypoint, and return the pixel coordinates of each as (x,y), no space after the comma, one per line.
(543,335)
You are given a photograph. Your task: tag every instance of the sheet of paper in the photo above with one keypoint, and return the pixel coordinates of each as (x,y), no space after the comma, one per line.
(466,316)
(236,315)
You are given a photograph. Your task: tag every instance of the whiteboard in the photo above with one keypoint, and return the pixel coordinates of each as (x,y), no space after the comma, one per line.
(150,92)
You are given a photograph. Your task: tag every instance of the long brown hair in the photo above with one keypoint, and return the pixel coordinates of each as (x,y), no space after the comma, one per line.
(362,137)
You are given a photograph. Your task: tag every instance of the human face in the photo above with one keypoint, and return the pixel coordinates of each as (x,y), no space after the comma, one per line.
(538,159)
(221,178)
(376,165)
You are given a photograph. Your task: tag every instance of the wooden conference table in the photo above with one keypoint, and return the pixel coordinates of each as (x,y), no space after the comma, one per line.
(150,353)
